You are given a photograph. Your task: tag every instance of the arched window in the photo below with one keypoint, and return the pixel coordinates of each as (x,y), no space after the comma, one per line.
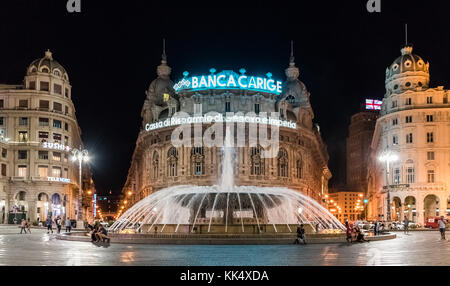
(45,70)
(257,162)
(299,166)
(283,163)
(21,196)
(172,162)
(291,99)
(197,161)
(155,164)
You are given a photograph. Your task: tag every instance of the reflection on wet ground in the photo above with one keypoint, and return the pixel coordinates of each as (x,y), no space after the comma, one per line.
(40,248)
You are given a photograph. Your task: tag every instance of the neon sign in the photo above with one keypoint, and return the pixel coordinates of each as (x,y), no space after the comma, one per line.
(228,79)
(56,146)
(58,179)
(219,118)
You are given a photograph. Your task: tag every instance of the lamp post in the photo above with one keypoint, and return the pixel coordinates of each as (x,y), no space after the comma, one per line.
(387,157)
(80,155)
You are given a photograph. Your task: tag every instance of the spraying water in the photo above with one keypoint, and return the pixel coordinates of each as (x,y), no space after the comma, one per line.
(182,208)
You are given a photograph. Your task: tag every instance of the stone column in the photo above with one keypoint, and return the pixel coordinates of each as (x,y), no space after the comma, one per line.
(420,211)
(443,206)
(401,210)
(31,211)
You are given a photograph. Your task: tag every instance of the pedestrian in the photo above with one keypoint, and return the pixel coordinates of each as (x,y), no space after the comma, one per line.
(360,235)
(49,223)
(375,228)
(442,227)
(300,235)
(348,232)
(23,225)
(58,223)
(29,226)
(406,225)
(68,225)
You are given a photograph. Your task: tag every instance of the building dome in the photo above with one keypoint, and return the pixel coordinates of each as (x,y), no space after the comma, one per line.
(408,71)
(294,90)
(47,65)
(161,85)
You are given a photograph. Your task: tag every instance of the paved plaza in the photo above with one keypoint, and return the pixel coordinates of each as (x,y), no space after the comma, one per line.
(40,248)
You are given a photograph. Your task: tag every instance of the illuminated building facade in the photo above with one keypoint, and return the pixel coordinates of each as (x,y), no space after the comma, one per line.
(302,158)
(38,130)
(414,124)
(346,205)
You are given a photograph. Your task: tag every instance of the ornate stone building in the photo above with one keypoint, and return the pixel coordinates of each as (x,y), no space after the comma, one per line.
(300,164)
(415,125)
(38,128)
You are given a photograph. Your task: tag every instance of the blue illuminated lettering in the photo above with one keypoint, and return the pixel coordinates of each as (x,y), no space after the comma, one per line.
(259,83)
(212,81)
(270,85)
(279,86)
(194,82)
(218,80)
(203,82)
(251,83)
(240,81)
(231,81)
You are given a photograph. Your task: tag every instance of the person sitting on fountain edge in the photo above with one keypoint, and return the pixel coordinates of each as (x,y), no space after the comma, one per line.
(300,235)
(102,234)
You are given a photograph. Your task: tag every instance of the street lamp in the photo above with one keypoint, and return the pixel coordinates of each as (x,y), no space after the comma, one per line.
(388,157)
(82,156)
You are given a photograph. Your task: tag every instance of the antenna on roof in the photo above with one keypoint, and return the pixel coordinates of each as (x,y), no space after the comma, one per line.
(164,57)
(292,52)
(406,34)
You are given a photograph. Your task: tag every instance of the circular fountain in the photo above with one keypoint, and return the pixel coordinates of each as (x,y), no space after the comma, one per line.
(225,210)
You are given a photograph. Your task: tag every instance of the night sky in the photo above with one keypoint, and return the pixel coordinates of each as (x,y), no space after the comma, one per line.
(111,51)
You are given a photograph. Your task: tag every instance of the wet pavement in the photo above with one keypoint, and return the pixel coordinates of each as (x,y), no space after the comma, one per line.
(40,248)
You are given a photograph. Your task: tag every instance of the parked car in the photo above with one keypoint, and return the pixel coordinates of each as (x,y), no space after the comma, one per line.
(433,221)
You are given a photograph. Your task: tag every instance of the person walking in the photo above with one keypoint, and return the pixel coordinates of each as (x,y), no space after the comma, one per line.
(23,225)
(29,226)
(348,232)
(375,228)
(49,223)
(442,227)
(406,225)
(58,224)
(68,225)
